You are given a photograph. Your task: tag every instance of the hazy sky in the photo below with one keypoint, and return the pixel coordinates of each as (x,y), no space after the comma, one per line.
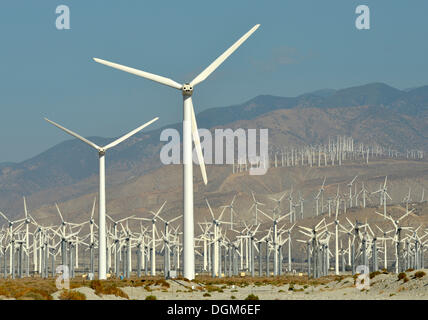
(301,46)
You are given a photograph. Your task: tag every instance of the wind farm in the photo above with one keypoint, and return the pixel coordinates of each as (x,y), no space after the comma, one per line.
(315,196)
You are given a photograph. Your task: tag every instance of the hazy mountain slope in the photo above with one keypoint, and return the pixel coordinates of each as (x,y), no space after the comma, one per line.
(373,112)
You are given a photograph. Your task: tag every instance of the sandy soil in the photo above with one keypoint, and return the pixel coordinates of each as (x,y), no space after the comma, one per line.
(382,286)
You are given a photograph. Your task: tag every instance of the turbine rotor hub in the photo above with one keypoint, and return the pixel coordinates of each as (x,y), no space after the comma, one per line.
(187,89)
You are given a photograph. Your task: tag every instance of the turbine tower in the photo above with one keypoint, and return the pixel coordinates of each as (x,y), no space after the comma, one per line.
(189,129)
(102,266)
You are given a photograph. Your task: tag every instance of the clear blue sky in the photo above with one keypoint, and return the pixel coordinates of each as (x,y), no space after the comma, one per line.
(301,46)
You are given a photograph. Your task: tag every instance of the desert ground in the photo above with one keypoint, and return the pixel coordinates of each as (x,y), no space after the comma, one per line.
(410,285)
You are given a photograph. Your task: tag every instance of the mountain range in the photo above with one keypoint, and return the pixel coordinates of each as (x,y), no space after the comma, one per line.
(371,112)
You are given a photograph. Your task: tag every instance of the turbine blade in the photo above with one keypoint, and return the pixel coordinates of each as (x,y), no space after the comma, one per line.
(59,212)
(159,211)
(174,219)
(93,209)
(147,75)
(217,62)
(128,135)
(209,207)
(197,142)
(2,214)
(221,215)
(25,208)
(93,145)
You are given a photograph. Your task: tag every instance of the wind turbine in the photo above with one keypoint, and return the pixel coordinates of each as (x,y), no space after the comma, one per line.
(255,204)
(102,267)
(154,232)
(407,199)
(275,219)
(384,239)
(350,191)
(232,211)
(278,202)
(189,129)
(322,195)
(216,223)
(397,236)
(383,196)
(11,234)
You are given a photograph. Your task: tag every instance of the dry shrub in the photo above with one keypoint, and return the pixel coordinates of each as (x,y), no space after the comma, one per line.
(405,279)
(211,288)
(104,287)
(151,297)
(276,281)
(374,274)
(419,274)
(27,290)
(71,295)
(252,297)
(182,278)
(401,276)
(162,282)
(410,270)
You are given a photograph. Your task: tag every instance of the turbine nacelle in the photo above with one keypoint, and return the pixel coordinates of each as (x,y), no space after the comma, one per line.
(187,90)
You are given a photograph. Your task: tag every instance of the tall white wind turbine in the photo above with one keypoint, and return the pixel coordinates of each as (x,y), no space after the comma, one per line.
(102,267)
(189,129)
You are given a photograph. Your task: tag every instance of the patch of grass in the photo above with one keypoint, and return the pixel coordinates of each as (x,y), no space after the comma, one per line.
(392,294)
(405,279)
(151,297)
(410,270)
(71,295)
(252,297)
(182,278)
(162,282)
(281,290)
(24,289)
(206,294)
(274,281)
(211,288)
(401,276)
(232,297)
(234,290)
(374,274)
(105,287)
(419,274)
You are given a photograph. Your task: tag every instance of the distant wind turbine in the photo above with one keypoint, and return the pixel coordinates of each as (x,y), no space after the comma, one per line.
(102,268)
